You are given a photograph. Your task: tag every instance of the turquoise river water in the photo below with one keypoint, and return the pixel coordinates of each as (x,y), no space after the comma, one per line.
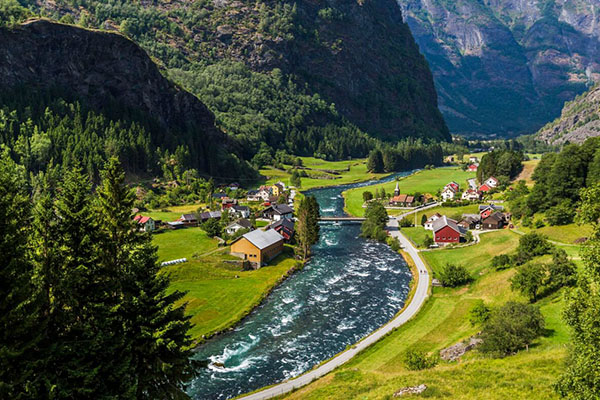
(349,288)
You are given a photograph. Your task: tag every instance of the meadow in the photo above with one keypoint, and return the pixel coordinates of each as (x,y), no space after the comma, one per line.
(378,372)
(425,181)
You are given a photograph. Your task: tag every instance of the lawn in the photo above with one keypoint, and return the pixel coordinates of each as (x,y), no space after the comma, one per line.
(528,168)
(321,173)
(425,181)
(378,372)
(172,213)
(174,244)
(567,234)
(417,235)
(220,294)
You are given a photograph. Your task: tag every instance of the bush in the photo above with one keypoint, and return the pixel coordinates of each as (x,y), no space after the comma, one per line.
(415,360)
(367,196)
(479,313)
(454,275)
(528,280)
(539,223)
(561,214)
(532,245)
(502,261)
(511,328)
(428,242)
(393,243)
(405,223)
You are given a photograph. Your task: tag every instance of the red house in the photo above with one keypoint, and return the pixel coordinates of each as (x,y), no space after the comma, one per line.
(487,210)
(446,230)
(473,167)
(484,188)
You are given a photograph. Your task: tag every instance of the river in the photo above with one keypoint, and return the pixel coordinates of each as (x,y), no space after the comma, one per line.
(349,288)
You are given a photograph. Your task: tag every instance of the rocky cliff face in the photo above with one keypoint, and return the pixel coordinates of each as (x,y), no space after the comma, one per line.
(358,55)
(106,70)
(579,120)
(506,66)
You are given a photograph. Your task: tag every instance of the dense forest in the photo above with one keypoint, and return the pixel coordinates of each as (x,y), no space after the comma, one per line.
(85,312)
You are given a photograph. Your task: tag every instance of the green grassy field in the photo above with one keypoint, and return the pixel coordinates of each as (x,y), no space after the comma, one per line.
(220,294)
(567,234)
(417,235)
(183,243)
(426,181)
(348,171)
(172,213)
(378,372)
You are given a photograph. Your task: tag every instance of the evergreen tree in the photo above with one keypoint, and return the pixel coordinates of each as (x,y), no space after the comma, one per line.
(19,332)
(307,225)
(375,162)
(157,346)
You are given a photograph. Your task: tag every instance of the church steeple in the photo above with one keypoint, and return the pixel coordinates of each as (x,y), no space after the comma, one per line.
(397,190)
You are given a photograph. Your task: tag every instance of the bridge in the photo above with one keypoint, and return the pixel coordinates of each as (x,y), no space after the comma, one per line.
(342,219)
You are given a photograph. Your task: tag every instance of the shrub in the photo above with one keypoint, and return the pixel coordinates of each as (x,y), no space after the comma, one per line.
(415,360)
(454,275)
(511,328)
(367,196)
(561,214)
(528,280)
(405,223)
(539,223)
(479,313)
(428,241)
(502,261)
(532,245)
(393,243)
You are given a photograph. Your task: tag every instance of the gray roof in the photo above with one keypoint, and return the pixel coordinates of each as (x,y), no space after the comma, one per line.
(244,223)
(280,209)
(443,222)
(471,217)
(241,208)
(263,239)
(492,206)
(286,223)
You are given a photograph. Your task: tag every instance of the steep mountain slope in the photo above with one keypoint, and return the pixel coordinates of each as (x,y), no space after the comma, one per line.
(579,120)
(115,77)
(358,57)
(506,66)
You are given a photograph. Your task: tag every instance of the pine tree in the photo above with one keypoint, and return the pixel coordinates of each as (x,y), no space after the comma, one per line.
(307,225)
(155,330)
(375,161)
(19,332)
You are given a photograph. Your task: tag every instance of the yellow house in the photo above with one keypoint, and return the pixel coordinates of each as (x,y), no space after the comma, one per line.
(258,246)
(277,190)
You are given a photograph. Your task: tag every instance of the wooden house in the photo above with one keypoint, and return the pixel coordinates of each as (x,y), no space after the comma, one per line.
(285,227)
(258,246)
(238,225)
(494,221)
(276,212)
(145,224)
(446,230)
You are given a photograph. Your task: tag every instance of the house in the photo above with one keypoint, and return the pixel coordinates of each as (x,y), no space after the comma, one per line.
(264,192)
(454,186)
(397,189)
(234,186)
(402,200)
(446,230)
(276,212)
(448,193)
(491,182)
(486,210)
(145,224)
(258,246)
(219,196)
(429,223)
(234,227)
(471,195)
(484,188)
(473,167)
(189,219)
(253,195)
(205,216)
(277,190)
(473,160)
(240,211)
(175,225)
(227,203)
(470,221)
(472,183)
(494,221)
(285,227)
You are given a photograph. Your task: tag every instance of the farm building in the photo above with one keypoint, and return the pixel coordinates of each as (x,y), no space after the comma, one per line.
(258,246)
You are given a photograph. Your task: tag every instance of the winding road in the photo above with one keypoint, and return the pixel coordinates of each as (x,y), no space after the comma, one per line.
(410,311)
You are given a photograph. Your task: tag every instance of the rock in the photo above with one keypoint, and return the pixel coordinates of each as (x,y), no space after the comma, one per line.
(456,351)
(411,390)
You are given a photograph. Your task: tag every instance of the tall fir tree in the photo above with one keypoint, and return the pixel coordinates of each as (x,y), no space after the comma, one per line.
(307,225)
(19,331)
(158,346)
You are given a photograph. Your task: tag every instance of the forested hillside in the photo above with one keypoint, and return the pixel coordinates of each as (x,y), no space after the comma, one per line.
(339,69)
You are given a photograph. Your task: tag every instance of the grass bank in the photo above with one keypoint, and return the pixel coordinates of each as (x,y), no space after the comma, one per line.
(379,371)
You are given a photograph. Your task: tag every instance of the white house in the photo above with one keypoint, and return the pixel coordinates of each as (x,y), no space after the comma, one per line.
(448,193)
(145,224)
(491,182)
(471,195)
(472,183)
(238,225)
(473,159)
(241,211)
(429,224)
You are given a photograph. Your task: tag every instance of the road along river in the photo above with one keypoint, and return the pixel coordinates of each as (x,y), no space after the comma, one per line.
(349,288)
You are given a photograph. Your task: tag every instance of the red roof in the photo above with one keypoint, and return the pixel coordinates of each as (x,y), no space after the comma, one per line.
(484,188)
(472,167)
(140,219)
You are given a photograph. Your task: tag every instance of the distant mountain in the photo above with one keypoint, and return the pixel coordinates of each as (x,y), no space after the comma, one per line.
(579,120)
(110,74)
(506,66)
(331,67)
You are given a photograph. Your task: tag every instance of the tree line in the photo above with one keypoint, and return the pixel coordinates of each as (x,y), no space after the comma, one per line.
(85,311)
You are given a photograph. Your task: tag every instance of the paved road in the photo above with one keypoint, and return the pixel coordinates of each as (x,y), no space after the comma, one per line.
(409,312)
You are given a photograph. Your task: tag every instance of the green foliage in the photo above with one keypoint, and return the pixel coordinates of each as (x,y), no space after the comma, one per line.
(428,241)
(423,219)
(502,261)
(375,162)
(367,196)
(295,179)
(415,360)
(212,227)
(500,163)
(307,224)
(376,220)
(479,313)
(528,280)
(393,243)
(532,245)
(561,214)
(405,222)
(12,13)
(511,328)
(454,275)
(580,379)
